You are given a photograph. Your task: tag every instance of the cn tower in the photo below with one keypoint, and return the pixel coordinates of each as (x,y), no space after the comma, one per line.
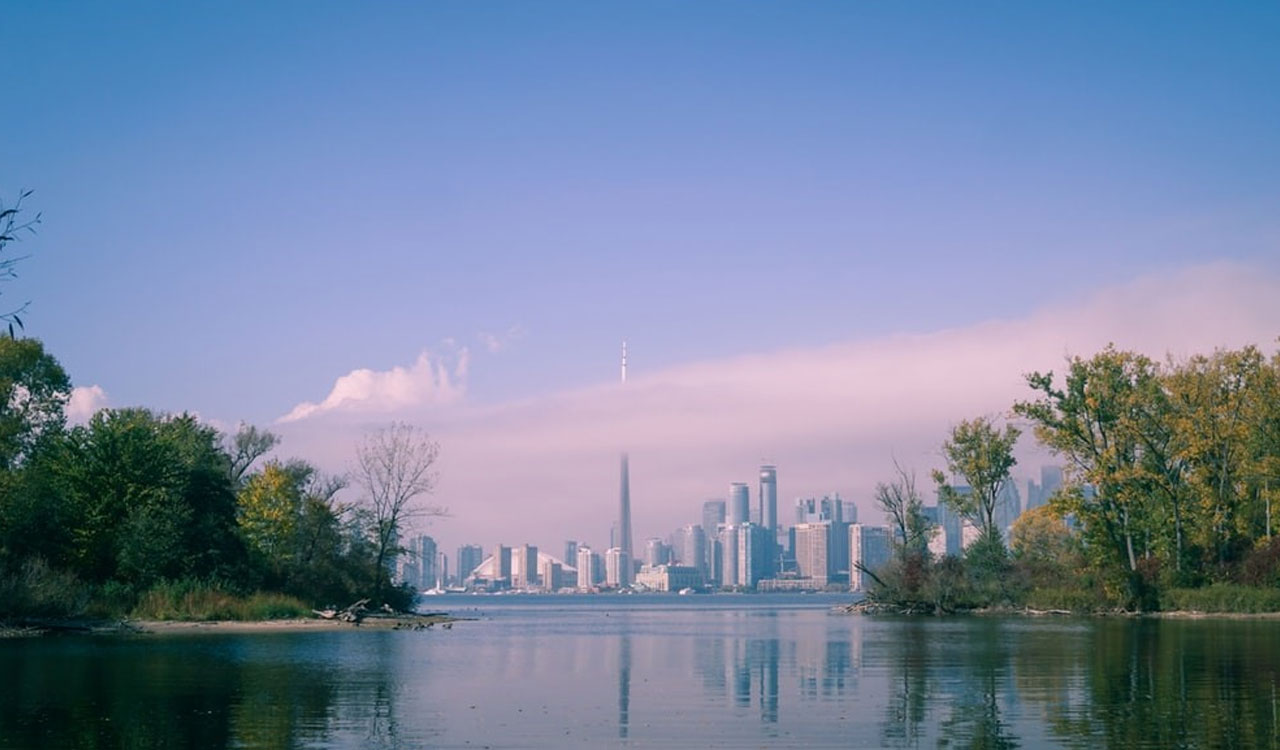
(624,496)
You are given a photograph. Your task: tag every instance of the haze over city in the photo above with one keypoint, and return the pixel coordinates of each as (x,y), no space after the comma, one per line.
(826,236)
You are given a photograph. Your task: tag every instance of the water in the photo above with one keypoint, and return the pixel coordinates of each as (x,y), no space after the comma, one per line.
(641,671)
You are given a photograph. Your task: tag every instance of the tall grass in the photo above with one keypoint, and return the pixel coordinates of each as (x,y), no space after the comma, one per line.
(1222,597)
(200,601)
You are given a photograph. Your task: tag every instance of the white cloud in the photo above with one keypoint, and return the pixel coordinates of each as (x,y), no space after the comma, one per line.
(84,402)
(425,382)
(831,418)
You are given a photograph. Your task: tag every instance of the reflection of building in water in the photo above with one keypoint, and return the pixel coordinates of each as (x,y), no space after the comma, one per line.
(624,685)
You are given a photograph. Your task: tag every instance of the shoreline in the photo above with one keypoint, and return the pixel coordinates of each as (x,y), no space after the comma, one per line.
(858,608)
(38,628)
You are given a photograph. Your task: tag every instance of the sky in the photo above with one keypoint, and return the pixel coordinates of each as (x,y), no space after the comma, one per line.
(828,231)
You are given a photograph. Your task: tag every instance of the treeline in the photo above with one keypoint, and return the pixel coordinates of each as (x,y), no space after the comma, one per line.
(160,515)
(1172,475)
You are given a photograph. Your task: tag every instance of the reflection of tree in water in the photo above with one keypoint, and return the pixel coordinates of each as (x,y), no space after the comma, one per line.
(182,692)
(908,663)
(975,709)
(1160,683)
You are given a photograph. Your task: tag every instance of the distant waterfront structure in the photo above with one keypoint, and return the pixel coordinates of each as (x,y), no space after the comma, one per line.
(550,574)
(870,547)
(469,558)
(739,503)
(713,515)
(588,568)
(570,552)
(668,577)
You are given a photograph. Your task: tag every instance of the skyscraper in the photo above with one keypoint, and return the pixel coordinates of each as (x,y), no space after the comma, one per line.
(769,517)
(624,497)
(739,503)
(813,545)
(469,558)
(870,548)
(570,553)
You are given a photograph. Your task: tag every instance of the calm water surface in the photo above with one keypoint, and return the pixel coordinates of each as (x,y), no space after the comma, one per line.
(703,671)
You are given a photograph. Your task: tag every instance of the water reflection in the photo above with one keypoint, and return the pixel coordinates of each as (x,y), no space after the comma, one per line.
(727,678)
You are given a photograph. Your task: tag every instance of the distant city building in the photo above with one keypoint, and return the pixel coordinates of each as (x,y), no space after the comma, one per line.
(617,568)
(1050,482)
(739,504)
(502,563)
(668,577)
(713,515)
(424,548)
(728,544)
(524,567)
(469,558)
(813,546)
(937,536)
(1008,507)
(588,568)
(753,554)
(550,573)
(870,548)
(768,496)
(570,552)
(656,552)
(691,548)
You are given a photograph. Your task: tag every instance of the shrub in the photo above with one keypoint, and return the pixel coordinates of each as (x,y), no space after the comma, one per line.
(37,590)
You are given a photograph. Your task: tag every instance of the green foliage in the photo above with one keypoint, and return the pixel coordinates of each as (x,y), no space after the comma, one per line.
(982,455)
(200,601)
(33,392)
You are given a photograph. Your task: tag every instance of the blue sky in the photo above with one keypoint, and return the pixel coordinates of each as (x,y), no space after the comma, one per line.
(243,204)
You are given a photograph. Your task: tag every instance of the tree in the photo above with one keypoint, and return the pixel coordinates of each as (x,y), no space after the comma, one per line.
(11,230)
(394,466)
(905,510)
(248,445)
(33,393)
(982,455)
(1093,422)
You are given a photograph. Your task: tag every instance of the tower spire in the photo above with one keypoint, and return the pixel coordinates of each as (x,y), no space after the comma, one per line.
(624,360)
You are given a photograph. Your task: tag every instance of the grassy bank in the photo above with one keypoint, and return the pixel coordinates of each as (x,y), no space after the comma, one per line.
(202,602)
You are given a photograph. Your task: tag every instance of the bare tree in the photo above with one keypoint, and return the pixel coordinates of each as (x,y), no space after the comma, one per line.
(11,230)
(394,466)
(901,503)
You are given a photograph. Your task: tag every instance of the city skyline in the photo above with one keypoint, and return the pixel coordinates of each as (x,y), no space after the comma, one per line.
(828,232)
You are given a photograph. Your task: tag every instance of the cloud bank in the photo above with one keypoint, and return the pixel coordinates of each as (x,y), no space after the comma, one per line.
(832,418)
(426,381)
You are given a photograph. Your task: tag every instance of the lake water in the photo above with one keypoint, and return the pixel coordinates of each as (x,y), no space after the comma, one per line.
(645,671)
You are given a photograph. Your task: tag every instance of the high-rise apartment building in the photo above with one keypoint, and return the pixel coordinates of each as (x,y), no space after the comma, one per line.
(502,563)
(753,550)
(617,568)
(813,545)
(524,567)
(570,553)
(769,517)
(870,548)
(692,549)
(588,568)
(728,546)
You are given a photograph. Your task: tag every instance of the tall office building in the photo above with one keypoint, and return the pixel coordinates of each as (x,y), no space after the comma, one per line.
(728,547)
(656,552)
(769,497)
(570,553)
(469,558)
(813,544)
(769,518)
(624,496)
(739,503)
(870,548)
